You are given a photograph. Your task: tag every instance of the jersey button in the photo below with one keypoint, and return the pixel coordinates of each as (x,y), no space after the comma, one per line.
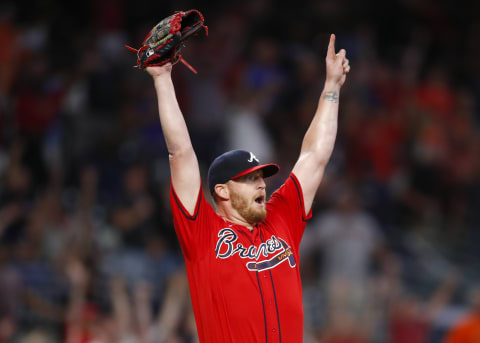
(273,330)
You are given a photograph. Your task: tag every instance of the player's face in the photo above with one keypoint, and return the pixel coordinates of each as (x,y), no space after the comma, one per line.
(248,196)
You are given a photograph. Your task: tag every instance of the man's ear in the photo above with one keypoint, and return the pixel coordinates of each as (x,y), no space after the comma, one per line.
(221,190)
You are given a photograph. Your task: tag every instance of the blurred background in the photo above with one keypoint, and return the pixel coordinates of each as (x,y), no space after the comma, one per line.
(87,248)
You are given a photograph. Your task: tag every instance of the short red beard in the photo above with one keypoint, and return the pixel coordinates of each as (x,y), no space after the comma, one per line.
(250,213)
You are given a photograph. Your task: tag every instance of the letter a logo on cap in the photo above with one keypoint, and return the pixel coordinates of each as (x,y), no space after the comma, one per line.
(252,157)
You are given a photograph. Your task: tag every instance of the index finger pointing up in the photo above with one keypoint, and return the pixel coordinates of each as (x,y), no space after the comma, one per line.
(331,47)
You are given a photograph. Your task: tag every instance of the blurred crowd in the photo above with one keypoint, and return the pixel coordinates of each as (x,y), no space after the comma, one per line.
(87,248)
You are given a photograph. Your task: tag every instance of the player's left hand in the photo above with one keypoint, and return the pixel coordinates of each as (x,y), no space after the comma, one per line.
(158,71)
(337,64)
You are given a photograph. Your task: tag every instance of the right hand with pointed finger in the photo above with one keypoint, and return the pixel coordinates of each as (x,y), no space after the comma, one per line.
(337,64)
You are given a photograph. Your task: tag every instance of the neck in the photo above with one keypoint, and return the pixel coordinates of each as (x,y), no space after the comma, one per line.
(235,218)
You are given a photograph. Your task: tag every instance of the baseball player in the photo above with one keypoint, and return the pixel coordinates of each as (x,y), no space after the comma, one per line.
(242,258)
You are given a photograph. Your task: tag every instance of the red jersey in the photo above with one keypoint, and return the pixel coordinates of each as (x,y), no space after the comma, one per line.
(245,285)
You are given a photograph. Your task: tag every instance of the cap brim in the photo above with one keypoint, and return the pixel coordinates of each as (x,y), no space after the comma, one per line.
(268,170)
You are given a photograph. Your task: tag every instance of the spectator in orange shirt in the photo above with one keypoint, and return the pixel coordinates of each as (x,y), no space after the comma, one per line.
(467,329)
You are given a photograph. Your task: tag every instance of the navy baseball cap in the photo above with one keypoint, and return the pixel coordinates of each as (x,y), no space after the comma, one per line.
(235,163)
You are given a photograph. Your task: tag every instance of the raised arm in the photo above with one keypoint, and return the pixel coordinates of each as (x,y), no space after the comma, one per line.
(184,167)
(317,145)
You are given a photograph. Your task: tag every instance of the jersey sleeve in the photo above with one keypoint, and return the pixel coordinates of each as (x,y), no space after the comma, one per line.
(193,230)
(287,203)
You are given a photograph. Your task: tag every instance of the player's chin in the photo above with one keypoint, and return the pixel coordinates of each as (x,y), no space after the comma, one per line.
(259,213)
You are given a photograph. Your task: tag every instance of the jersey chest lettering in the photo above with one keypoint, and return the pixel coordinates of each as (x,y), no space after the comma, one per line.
(227,246)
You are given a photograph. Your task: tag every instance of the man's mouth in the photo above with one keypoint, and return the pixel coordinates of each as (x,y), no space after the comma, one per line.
(260,199)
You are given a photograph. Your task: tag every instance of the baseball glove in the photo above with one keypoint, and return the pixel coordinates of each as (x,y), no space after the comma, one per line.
(166,39)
